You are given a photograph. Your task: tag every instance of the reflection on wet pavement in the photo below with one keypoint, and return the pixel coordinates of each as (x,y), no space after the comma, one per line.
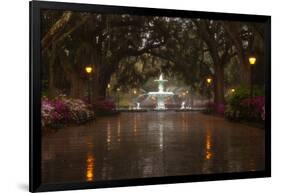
(150,144)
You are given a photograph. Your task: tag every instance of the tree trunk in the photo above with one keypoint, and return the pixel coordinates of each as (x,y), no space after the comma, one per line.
(78,86)
(208,37)
(55,29)
(97,70)
(102,89)
(103,82)
(232,30)
(219,85)
(99,87)
(51,83)
(95,83)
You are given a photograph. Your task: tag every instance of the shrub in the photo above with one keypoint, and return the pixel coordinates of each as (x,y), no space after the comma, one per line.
(62,110)
(48,113)
(104,107)
(234,110)
(242,107)
(254,108)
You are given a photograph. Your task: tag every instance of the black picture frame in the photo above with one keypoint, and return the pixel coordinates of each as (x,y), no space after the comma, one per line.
(35,96)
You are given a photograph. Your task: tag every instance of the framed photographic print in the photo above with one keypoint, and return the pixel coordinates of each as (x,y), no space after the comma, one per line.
(124,96)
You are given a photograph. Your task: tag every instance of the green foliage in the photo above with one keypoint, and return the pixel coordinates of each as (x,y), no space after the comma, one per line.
(243,92)
(239,94)
(236,109)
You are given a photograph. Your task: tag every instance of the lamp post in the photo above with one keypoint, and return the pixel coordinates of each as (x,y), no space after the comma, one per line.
(135,101)
(184,97)
(252,61)
(118,97)
(108,89)
(89,70)
(187,98)
(209,82)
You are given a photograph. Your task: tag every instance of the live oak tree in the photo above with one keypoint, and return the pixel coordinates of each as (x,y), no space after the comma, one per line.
(134,48)
(102,40)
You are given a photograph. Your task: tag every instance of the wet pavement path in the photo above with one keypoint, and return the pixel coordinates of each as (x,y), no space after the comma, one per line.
(150,144)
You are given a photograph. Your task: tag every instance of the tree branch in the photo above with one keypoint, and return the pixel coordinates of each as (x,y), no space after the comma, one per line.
(55,29)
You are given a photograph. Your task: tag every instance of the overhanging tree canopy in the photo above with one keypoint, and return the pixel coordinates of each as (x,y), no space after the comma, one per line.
(134,48)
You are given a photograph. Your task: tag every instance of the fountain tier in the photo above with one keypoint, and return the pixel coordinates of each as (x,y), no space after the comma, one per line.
(160,94)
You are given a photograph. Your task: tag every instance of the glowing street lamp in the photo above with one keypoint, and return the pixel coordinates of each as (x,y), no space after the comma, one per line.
(89,70)
(135,92)
(233,90)
(252,62)
(209,80)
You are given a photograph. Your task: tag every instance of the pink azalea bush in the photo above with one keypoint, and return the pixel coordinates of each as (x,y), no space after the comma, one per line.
(48,113)
(255,107)
(242,107)
(63,110)
(104,107)
(252,109)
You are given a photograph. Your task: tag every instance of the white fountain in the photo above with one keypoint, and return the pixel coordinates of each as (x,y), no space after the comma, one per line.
(138,106)
(160,94)
(183,105)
